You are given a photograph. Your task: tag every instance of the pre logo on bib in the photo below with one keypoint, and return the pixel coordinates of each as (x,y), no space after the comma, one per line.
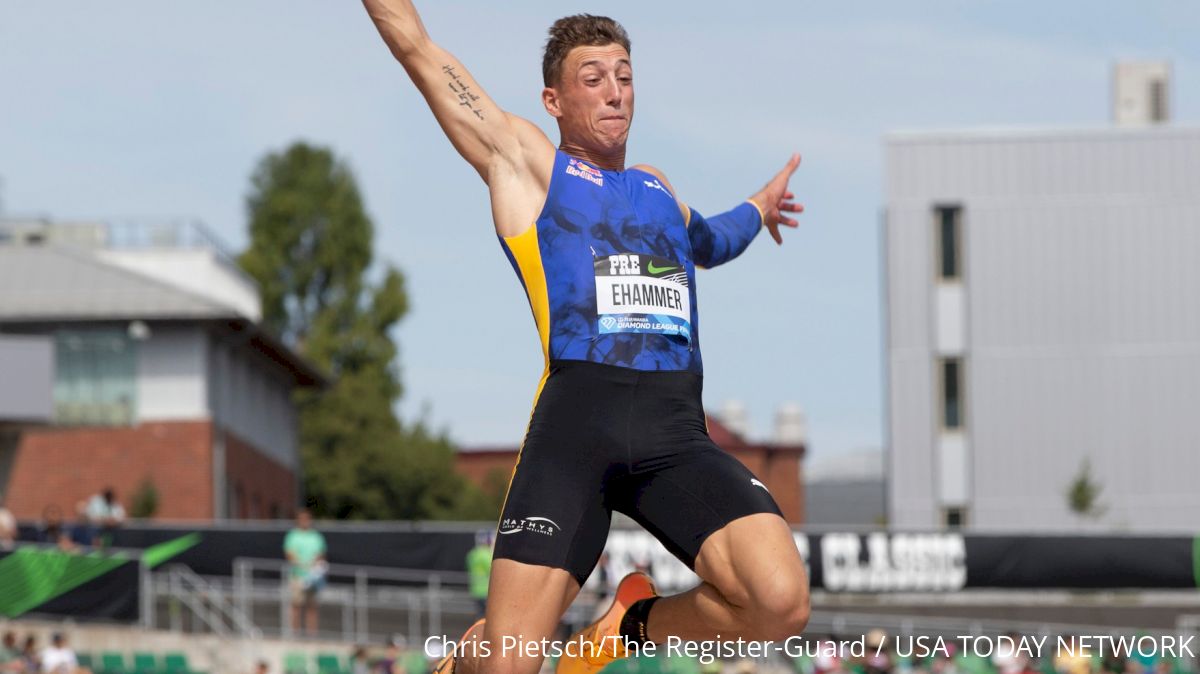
(642,294)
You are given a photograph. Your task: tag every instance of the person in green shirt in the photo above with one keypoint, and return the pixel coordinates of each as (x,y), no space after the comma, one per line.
(305,550)
(479,569)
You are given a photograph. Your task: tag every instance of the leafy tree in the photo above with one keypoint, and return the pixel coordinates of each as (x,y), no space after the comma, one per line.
(310,252)
(1083,494)
(144,502)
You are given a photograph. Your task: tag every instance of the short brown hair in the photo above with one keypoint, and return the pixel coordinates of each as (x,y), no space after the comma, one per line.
(578,31)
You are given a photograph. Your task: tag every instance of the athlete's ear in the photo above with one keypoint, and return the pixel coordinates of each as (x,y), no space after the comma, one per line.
(552,102)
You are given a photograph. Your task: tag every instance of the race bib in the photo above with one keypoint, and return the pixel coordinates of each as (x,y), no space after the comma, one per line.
(640,294)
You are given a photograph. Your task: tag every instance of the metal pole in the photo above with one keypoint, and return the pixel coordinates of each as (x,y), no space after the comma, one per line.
(435,604)
(285,616)
(146,607)
(360,604)
(414,619)
(241,587)
(176,607)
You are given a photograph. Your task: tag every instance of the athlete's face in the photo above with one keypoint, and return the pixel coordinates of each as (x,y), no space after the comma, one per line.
(593,100)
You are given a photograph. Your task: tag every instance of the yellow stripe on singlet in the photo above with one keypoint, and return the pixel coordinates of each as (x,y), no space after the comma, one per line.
(528,255)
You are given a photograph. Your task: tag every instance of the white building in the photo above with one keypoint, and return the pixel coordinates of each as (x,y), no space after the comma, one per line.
(153,369)
(1043,313)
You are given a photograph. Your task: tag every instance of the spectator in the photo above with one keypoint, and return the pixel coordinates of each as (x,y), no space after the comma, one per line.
(107,515)
(877,660)
(52,530)
(10,655)
(29,654)
(479,570)
(58,658)
(305,550)
(390,663)
(8,527)
(1074,658)
(359,663)
(83,534)
(1008,659)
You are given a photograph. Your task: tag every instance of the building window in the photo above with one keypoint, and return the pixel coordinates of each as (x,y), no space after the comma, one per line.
(1158,101)
(951,376)
(95,378)
(948,220)
(954,518)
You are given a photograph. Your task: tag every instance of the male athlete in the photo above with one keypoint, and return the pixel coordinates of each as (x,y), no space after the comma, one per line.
(607,255)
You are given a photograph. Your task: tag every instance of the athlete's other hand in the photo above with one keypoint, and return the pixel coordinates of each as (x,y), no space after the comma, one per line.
(775,199)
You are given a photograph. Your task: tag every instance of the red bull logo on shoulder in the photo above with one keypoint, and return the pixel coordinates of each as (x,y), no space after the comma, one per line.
(582,170)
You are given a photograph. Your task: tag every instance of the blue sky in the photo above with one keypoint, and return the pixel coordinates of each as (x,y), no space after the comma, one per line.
(146,110)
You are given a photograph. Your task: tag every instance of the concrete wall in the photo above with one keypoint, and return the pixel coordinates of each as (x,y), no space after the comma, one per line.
(26,379)
(171,368)
(1080,335)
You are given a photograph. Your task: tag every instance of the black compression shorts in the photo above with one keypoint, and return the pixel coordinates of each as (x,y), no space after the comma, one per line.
(605,438)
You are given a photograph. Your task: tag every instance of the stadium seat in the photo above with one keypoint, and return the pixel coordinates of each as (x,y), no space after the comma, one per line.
(85,660)
(176,662)
(328,663)
(112,663)
(682,664)
(145,663)
(295,663)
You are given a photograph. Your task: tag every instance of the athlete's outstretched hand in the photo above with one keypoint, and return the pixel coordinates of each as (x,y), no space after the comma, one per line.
(775,199)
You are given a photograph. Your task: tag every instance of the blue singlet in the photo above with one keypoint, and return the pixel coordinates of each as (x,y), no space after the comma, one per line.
(608,270)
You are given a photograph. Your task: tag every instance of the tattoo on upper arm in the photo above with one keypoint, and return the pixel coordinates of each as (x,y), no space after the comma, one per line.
(463,91)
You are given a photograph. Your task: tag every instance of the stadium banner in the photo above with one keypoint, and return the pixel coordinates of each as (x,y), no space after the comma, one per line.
(837,561)
(80,586)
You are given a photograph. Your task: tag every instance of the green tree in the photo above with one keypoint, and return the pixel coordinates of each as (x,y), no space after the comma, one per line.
(310,252)
(144,502)
(1083,494)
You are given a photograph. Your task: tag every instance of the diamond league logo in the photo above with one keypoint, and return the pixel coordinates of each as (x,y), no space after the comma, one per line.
(608,322)
(538,525)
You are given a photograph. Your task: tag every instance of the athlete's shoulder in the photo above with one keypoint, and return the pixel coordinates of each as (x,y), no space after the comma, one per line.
(662,177)
(646,168)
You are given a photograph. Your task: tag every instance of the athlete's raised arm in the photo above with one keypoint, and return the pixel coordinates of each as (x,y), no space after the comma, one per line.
(718,239)
(486,136)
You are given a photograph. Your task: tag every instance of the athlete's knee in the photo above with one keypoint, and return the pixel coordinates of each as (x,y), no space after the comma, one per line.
(779,608)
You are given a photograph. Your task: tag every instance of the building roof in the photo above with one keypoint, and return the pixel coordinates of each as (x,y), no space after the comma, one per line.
(53,284)
(49,283)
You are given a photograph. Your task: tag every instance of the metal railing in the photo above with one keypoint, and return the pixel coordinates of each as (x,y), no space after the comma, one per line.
(407,601)
(208,603)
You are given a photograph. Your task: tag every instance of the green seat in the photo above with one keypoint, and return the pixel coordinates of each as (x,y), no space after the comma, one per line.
(328,663)
(682,664)
(295,663)
(145,663)
(176,662)
(85,660)
(112,663)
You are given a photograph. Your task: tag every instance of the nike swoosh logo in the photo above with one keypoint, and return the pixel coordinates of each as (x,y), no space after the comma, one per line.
(658,270)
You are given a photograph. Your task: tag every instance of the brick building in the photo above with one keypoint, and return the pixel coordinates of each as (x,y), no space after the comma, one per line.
(158,373)
(779,464)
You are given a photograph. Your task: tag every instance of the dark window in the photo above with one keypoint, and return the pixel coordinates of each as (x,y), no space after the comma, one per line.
(956,518)
(952,405)
(1158,101)
(949,233)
